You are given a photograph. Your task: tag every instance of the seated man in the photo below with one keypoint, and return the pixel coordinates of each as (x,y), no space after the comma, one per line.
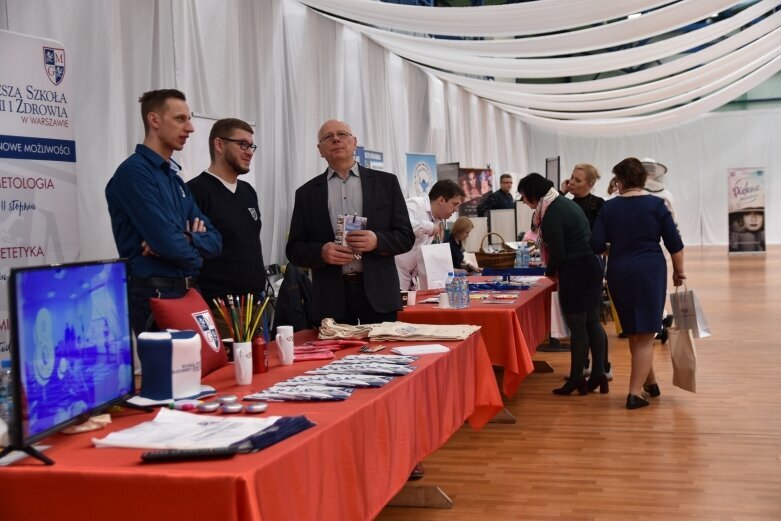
(501,199)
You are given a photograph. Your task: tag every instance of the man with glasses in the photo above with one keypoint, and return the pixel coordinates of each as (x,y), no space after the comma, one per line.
(156,223)
(501,199)
(356,281)
(232,206)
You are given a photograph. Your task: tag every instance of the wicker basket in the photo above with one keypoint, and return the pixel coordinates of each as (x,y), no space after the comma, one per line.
(502,259)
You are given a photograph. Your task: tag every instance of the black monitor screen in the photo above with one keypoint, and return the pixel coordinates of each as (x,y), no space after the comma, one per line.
(71,344)
(552,171)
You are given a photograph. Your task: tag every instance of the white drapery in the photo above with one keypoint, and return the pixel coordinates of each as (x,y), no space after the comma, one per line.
(539,56)
(288,69)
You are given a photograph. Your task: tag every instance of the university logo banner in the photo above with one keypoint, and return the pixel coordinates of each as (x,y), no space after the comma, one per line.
(38,197)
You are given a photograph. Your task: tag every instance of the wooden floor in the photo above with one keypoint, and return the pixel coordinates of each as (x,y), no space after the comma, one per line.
(714,455)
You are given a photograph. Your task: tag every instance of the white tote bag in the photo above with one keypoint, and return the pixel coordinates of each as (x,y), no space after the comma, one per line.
(687,312)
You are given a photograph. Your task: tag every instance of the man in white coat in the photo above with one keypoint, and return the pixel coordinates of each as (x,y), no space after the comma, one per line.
(427,215)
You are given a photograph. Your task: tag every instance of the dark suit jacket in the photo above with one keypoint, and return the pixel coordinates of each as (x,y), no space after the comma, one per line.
(310,228)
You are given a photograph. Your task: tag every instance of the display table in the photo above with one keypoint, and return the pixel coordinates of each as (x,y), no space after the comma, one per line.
(511,331)
(357,457)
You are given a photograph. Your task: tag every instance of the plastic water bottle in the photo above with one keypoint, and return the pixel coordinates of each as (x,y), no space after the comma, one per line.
(5,391)
(525,256)
(458,299)
(465,291)
(518,257)
(450,289)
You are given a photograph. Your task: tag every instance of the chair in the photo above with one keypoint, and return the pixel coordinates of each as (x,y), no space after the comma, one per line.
(273,273)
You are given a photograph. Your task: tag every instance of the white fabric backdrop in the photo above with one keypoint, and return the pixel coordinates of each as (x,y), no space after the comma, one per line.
(697,154)
(288,69)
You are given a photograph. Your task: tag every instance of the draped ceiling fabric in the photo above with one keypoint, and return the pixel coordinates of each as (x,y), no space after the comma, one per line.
(543,56)
(287,68)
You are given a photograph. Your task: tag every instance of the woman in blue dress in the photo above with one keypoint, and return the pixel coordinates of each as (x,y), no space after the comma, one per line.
(632,225)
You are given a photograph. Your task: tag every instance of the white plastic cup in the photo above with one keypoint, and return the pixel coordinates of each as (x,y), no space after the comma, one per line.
(444,302)
(411,297)
(285,344)
(242,362)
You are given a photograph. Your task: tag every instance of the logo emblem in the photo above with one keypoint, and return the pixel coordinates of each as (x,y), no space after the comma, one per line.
(54,64)
(253,213)
(422,178)
(208,329)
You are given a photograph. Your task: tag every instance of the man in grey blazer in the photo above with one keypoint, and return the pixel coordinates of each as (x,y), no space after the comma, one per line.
(357,281)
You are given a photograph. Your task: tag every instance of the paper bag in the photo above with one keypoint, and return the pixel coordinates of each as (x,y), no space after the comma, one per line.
(437,262)
(687,312)
(558,326)
(684,357)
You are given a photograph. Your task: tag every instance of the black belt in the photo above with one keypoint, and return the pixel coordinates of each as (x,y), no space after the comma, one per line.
(164,282)
(353,278)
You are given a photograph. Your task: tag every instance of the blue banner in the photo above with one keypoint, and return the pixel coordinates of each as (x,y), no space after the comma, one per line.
(39,148)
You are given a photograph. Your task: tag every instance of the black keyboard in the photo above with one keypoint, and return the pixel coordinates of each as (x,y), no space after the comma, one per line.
(162,456)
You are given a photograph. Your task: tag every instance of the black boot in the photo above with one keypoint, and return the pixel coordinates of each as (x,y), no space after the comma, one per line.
(573,384)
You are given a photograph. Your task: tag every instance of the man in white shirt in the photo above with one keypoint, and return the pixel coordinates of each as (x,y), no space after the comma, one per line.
(427,215)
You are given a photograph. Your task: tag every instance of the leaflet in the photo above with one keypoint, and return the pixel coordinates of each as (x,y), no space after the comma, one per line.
(172,429)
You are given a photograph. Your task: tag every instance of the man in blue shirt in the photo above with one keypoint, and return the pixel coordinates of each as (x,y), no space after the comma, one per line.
(156,222)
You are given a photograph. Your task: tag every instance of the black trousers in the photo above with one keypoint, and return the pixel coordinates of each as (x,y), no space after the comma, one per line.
(358,309)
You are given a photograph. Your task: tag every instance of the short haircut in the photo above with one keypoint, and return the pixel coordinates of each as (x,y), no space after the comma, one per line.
(223,128)
(461,225)
(592,174)
(154,100)
(505,176)
(631,173)
(445,188)
(534,187)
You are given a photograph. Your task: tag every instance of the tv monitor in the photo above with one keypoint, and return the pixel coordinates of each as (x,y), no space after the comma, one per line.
(71,347)
(553,171)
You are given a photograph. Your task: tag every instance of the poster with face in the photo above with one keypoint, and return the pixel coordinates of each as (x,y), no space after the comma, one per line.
(746,204)
(476,183)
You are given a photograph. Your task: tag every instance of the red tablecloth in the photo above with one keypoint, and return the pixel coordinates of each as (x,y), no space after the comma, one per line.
(511,331)
(348,466)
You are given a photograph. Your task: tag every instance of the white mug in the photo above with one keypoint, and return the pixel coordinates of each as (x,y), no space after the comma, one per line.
(242,362)
(285,343)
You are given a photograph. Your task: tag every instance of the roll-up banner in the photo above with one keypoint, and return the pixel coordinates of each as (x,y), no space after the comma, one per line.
(38,196)
(746,204)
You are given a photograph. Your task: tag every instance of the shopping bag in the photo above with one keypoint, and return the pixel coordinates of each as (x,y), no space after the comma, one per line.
(558,326)
(684,357)
(687,312)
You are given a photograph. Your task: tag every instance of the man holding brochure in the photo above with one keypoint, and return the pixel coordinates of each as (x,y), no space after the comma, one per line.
(355,281)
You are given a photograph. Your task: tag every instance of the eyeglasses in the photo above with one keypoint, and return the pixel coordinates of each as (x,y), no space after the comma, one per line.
(329,138)
(242,144)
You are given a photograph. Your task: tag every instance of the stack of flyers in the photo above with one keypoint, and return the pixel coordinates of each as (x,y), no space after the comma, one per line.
(364,368)
(339,380)
(346,224)
(380,359)
(301,393)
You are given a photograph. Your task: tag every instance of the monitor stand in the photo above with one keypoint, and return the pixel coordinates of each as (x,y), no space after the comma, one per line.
(30,451)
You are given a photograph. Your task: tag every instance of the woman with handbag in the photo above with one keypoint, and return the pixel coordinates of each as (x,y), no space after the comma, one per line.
(633,225)
(564,231)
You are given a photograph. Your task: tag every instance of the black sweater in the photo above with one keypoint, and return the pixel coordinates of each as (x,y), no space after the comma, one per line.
(239,269)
